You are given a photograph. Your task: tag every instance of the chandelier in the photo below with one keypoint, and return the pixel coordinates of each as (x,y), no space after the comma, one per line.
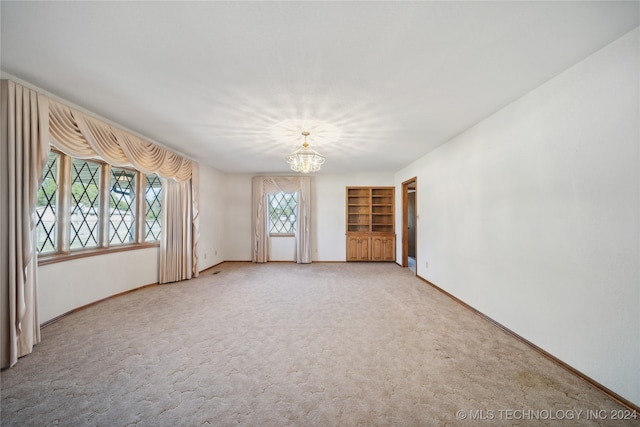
(305,160)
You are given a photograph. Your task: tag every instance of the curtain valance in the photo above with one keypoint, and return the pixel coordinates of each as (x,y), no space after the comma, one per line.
(287,184)
(81,136)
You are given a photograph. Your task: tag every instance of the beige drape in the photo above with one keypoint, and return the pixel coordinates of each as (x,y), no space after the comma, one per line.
(195,217)
(262,187)
(25,148)
(78,135)
(176,245)
(181,229)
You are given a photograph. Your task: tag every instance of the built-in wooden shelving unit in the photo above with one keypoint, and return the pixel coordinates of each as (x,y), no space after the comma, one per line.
(370,224)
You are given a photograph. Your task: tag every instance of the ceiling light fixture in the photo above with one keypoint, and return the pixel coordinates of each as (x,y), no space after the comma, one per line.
(305,160)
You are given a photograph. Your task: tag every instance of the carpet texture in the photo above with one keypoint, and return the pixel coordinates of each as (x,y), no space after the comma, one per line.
(281,344)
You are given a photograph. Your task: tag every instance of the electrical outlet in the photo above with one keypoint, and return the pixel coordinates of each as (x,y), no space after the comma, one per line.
(426,264)
(205,255)
(216,253)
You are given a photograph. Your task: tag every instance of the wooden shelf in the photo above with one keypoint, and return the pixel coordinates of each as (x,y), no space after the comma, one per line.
(370,223)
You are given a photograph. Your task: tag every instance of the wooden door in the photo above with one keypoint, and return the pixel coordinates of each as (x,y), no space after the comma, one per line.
(411,223)
(409,187)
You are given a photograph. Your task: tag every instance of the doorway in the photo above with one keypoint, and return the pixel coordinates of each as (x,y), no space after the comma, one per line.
(409,223)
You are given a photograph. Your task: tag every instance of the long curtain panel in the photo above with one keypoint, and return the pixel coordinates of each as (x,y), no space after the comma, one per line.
(176,244)
(262,187)
(25,148)
(195,217)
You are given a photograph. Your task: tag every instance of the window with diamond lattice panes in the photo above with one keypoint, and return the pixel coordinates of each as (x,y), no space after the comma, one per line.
(46,224)
(122,199)
(85,194)
(283,210)
(153,211)
(95,206)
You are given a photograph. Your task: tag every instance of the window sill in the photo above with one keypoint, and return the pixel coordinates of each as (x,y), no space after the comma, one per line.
(282,235)
(84,253)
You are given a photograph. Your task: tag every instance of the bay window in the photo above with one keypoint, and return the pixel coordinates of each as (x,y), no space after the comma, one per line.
(88,207)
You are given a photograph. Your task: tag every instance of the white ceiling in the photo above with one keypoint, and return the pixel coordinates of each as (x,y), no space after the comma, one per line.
(232,84)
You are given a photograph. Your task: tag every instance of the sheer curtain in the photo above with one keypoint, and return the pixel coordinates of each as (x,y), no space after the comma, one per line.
(262,187)
(25,147)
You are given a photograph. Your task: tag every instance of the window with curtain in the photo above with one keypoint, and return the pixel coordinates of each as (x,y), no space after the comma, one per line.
(72,205)
(283,209)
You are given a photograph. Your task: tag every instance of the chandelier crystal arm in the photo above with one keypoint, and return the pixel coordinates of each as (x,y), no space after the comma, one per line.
(305,160)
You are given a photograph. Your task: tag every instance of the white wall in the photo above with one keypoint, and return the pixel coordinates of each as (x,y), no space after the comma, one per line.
(532,215)
(237,217)
(67,285)
(211,247)
(282,248)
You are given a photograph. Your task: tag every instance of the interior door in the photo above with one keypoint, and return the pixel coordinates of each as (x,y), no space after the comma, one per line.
(411,223)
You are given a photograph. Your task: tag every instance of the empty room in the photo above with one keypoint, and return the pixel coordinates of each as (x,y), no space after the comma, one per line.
(306,213)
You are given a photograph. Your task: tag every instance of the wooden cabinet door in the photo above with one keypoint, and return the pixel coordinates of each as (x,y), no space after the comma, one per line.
(363,243)
(352,248)
(383,248)
(377,248)
(358,248)
(389,248)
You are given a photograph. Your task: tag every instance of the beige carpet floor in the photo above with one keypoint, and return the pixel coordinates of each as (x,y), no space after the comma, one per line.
(281,344)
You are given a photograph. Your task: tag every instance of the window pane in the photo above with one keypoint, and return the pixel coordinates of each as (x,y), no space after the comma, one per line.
(46,224)
(282,212)
(153,212)
(122,206)
(85,190)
